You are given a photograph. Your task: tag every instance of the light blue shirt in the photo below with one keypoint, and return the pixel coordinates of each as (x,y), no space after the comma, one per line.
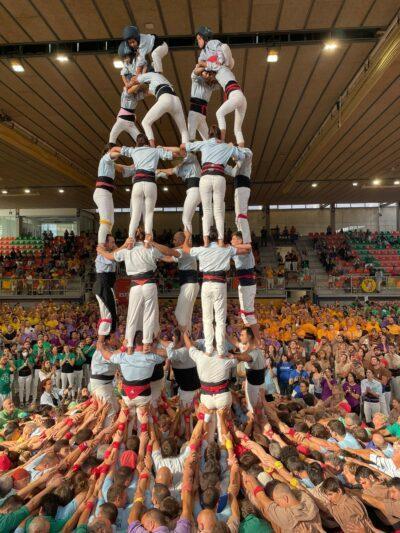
(146,157)
(153,80)
(106,167)
(216,152)
(138,366)
(104,265)
(244,262)
(201,89)
(189,168)
(100,366)
(213,258)
(349,442)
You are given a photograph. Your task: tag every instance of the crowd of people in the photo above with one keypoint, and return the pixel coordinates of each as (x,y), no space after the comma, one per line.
(314,446)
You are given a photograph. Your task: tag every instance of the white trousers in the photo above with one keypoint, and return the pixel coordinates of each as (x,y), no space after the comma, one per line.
(156,390)
(143,201)
(192,200)
(370,408)
(104,327)
(236,102)
(252,395)
(58,378)
(137,409)
(186,397)
(197,122)
(158,55)
(212,193)
(35,383)
(120,126)
(247,296)
(184,306)
(24,385)
(166,103)
(105,204)
(105,391)
(242,195)
(215,402)
(67,380)
(213,305)
(395,384)
(142,313)
(78,378)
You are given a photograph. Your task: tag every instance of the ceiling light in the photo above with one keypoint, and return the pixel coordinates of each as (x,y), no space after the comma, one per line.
(355,183)
(17,67)
(330,45)
(60,191)
(62,58)
(397,182)
(149,26)
(4,191)
(376,182)
(118,63)
(127,189)
(165,189)
(27,191)
(272,56)
(314,185)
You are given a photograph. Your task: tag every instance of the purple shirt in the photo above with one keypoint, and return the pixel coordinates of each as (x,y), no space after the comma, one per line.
(355,389)
(326,390)
(182,526)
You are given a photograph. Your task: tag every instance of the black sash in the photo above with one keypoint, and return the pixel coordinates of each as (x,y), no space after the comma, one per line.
(144,175)
(131,117)
(103,289)
(188,276)
(213,169)
(187,378)
(199,105)
(246,277)
(192,182)
(218,276)
(255,377)
(158,372)
(231,86)
(241,181)
(102,377)
(106,183)
(163,88)
(143,278)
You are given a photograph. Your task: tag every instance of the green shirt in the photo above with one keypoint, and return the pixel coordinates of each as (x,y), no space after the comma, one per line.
(55,525)
(20,361)
(10,521)
(394,429)
(5,418)
(88,351)
(5,374)
(81,529)
(252,524)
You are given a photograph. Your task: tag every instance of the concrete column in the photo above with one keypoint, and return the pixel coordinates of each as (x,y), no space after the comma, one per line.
(333,218)
(268,219)
(398,216)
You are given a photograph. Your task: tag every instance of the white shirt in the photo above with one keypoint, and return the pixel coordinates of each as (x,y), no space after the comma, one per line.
(213,258)
(104,265)
(138,260)
(211,368)
(258,362)
(146,157)
(385,465)
(175,465)
(180,357)
(47,398)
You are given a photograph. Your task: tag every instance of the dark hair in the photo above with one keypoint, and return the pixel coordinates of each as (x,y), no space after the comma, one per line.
(59,444)
(394,482)
(270,487)
(122,475)
(315,473)
(363,472)
(308,399)
(157,516)
(107,148)
(64,492)
(177,333)
(212,465)
(237,234)
(360,434)
(170,507)
(247,460)
(79,482)
(114,492)
(319,431)
(249,332)
(335,426)
(83,435)
(331,484)
(214,132)
(12,503)
(110,511)
(213,234)
(210,498)
(287,452)
(140,234)
(301,427)
(133,443)
(208,480)
(49,504)
(160,491)
(142,140)
(138,338)
(293,464)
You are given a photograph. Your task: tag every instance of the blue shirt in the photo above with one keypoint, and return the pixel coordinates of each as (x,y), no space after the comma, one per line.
(146,157)
(349,442)
(284,370)
(216,152)
(295,375)
(189,168)
(138,366)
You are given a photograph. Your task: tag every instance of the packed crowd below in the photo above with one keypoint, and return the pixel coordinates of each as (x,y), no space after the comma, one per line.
(319,452)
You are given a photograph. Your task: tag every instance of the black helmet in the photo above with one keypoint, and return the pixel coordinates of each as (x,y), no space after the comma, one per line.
(205,32)
(124,50)
(131,32)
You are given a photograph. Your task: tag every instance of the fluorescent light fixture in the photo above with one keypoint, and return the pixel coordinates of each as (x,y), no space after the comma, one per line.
(397,182)
(62,58)
(118,63)
(355,183)
(4,191)
(314,185)
(61,191)
(149,26)
(272,56)
(330,45)
(165,189)
(376,181)
(127,189)
(17,67)
(27,191)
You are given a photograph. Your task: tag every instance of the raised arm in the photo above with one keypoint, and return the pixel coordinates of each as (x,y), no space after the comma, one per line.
(165,250)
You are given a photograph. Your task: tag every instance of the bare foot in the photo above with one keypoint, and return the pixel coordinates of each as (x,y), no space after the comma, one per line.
(221,243)
(206,240)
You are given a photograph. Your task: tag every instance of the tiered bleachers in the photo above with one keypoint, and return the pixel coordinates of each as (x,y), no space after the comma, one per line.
(25,245)
(382,250)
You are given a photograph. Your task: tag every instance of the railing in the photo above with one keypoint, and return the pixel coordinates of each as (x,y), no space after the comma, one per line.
(353,283)
(40,287)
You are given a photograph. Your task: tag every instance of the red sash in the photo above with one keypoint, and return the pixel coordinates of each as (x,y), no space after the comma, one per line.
(132,391)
